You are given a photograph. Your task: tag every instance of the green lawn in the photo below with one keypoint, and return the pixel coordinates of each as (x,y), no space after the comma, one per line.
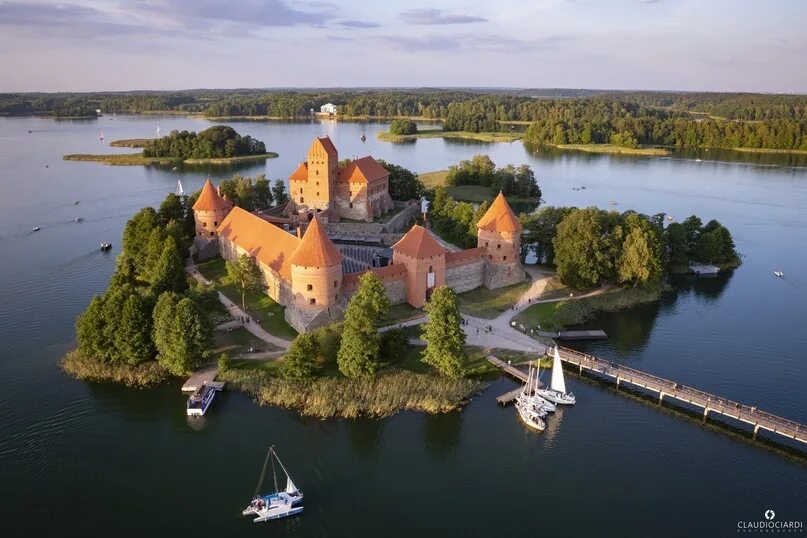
(542,314)
(401,312)
(259,305)
(238,341)
(488,304)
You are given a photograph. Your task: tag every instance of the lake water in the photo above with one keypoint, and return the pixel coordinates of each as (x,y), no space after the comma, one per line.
(88,459)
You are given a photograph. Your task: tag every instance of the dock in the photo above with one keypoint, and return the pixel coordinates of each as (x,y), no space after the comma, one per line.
(574,335)
(206,374)
(512,371)
(665,388)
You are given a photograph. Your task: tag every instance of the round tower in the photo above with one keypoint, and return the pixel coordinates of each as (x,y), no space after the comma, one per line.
(499,233)
(209,210)
(316,270)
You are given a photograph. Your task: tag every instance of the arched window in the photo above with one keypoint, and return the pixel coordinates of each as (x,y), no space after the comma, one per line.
(309,287)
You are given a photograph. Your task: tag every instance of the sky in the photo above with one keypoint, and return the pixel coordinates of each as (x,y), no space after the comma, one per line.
(696,45)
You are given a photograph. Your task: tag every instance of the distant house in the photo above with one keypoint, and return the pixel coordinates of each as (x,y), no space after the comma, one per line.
(329,108)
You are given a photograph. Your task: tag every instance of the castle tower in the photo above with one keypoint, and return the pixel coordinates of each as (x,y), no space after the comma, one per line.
(499,233)
(316,270)
(320,188)
(209,210)
(425,261)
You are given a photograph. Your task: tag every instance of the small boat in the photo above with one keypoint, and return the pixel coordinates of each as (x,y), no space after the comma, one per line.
(200,400)
(30,131)
(180,190)
(76,202)
(698,160)
(106,246)
(277,505)
(158,130)
(101,136)
(557,389)
(78,219)
(669,217)
(363,138)
(530,416)
(583,187)
(778,273)
(36,229)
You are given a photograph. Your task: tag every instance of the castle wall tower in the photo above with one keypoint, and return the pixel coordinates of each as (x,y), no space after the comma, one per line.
(209,211)
(323,161)
(499,233)
(425,262)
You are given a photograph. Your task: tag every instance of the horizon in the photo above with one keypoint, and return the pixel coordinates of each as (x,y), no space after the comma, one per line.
(79,46)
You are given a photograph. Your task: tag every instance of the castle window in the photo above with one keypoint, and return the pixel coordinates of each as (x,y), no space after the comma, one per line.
(486,244)
(317,193)
(211,234)
(351,205)
(504,259)
(499,245)
(204,224)
(316,171)
(335,283)
(431,269)
(215,223)
(301,199)
(317,183)
(490,256)
(312,301)
(309,287)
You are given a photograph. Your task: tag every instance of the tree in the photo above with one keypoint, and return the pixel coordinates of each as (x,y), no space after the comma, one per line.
(677,244)
(403,127)
(581,254)
(246,274)
(168,272)
(359,349)
(393,345)
(403,184)
(708,248)
(91,331)
(136,236)
(301,360)
(182,334)
(279,192)
(262,192)
(171,209)
(445,339)
(640,257)
(132,338)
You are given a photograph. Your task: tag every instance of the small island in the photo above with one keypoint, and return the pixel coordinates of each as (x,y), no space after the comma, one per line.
(220,144)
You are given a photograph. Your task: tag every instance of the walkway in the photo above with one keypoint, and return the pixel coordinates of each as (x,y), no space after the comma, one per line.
(237,312)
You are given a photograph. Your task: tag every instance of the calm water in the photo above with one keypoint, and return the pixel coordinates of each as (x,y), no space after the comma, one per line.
(82,459)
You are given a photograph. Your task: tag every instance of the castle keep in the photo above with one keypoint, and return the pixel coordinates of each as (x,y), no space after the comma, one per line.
(304,272)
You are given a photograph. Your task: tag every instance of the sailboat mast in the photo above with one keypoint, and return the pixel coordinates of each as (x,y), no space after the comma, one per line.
(263,472)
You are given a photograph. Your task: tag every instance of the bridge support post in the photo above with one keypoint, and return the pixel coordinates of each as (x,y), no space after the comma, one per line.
(705,412)
(617,382)
(756,429)
(660,396)
(581,369)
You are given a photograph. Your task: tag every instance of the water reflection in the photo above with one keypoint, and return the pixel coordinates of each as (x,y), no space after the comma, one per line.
(441,433)
(364,435)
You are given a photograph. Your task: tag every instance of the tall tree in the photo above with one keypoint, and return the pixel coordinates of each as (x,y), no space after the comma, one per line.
(262,192)
(403,184)
(445,339)
(359,349)
(581,254)
(133,343)
(171,209)
(182,334)
(168,272)
(246,274)
(279,193)
(91,331)
(301,360)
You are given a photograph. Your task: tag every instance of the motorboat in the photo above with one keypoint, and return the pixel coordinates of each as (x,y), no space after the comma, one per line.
(78,219)
(778,273)
(200,400)
(106,246)
(36,229)
(556,392)
(75,202)
(280,503)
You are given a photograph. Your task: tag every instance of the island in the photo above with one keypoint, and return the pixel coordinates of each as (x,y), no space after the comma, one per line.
(220,144)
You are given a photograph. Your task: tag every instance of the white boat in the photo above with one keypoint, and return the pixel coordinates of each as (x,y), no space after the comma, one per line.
(780,274)
(36,229)
(529,394)
(529,415)
(180,190)
(557,389)
(200,400)
(101,136)
(277,505)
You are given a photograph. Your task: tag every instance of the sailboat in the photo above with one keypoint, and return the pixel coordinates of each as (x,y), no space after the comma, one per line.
(180,190)
(530,396)
(101,136)
(279,504)
(158,130)
(557,389)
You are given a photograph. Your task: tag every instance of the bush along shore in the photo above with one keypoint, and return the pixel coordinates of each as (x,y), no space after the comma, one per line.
(85,368)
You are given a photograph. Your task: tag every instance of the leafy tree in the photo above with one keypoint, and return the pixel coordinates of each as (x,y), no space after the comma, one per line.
(403,127)
(708,248)
(216,142)
(132,338)
(580,248)
(301,360)
(539,229)
(168,272)
(279,193)
(246,274)
(393,345)
(182,334)
(692,228)
(640,259)
(445,339)
(171,208)
(358,351)
(677,244)
(262,192)
(136,236)
(91,331)
(403,184)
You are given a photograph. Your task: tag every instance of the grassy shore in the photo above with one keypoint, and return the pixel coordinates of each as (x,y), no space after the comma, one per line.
(613,150)
(484,303)
(131,143)
(126,159)
(87,369)
(439,133)
(465,193)
(770,150)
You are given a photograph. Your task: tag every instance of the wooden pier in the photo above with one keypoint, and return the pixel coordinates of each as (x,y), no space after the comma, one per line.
(206,374)
(512,371)
(664,388)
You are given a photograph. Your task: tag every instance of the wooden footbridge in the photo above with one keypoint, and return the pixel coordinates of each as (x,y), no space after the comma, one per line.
(664,388)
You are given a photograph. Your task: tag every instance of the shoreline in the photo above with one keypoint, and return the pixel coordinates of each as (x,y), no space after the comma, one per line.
(487,136)
(609,149)
(133,159)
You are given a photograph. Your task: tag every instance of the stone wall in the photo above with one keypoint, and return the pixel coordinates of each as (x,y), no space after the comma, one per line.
(354,228)
(204,248)
(401,221)
(499,275)
(307,319)
(465,276)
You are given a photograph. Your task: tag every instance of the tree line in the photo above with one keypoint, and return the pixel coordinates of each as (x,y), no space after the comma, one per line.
(254,194)
(219,141)
(481,170)
(149,312)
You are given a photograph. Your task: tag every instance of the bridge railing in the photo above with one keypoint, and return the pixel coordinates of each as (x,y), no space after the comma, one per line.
(678,388)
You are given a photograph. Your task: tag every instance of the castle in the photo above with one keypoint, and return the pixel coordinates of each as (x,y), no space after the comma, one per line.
(304,272)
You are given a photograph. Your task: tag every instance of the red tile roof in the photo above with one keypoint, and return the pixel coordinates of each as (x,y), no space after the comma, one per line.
(327,145)
(210,200)
(300,173)
(499,217)
(364,170)
(316,248)
(266,242)
(418,243)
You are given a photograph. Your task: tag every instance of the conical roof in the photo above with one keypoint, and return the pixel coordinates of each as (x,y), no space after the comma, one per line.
(316,248)
(210,199)
(499,217)
(418,243)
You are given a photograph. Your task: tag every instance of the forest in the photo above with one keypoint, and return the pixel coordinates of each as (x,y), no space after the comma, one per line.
(220,141)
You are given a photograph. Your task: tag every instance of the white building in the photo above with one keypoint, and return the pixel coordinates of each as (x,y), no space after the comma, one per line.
(329,108)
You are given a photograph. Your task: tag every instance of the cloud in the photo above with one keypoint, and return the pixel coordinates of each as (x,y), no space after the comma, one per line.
(358,24)
(471,42)
(66,20)
(253,13)
(431,16)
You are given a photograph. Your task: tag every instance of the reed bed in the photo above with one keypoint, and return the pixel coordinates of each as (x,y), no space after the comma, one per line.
(87,369)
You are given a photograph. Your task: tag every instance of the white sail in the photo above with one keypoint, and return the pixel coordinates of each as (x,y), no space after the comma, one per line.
(290,487)
(180,190)
(558,383)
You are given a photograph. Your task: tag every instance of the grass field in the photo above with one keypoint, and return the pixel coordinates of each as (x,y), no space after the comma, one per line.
(259,305)
(613,150)
(401,312)
(128,159)
(439,133)
(238,341)
(539,315)
(465,193)
(488,304)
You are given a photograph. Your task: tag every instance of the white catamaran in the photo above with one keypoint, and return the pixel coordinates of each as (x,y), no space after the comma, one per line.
(279,504)
(557,389)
